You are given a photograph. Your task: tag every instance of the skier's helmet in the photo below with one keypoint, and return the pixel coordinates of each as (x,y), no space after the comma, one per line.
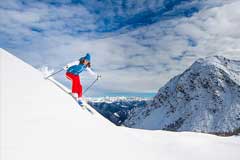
(88,57)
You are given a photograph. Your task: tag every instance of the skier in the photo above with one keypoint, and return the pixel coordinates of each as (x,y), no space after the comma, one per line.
(73,70)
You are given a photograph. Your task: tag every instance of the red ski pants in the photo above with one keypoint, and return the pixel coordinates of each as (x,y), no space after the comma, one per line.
(76,84)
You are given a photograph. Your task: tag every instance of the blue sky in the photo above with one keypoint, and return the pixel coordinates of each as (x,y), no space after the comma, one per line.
(137,45)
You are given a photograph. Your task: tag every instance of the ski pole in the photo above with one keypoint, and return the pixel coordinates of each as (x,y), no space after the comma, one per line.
(54,73)
(91,85)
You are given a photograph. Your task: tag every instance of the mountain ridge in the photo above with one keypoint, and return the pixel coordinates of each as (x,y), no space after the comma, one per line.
(204,98)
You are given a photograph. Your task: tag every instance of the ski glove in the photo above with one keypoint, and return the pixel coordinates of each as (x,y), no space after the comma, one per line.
(65,67)
(70,64)
(99,76)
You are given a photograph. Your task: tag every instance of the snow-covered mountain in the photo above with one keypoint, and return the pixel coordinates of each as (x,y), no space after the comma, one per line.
(117,109)
(205,98)
(40,121)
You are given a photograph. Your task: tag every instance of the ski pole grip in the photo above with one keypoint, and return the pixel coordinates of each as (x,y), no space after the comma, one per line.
(98,77)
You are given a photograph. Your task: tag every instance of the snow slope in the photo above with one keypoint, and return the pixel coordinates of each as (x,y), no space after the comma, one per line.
(39,121)
(205,98)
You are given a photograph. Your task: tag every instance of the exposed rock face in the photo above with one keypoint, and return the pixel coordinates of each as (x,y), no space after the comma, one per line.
(116,109)
(205,98)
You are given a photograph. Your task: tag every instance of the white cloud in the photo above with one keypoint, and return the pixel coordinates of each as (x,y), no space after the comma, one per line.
(141,60)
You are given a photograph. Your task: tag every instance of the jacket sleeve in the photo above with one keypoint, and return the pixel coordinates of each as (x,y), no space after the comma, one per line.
(70,64)
(73,63)
(89,70)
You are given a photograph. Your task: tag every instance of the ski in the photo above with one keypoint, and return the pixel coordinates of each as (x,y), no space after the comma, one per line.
(84,104)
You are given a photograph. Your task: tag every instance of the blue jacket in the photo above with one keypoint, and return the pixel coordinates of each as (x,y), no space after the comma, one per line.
(77,69)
